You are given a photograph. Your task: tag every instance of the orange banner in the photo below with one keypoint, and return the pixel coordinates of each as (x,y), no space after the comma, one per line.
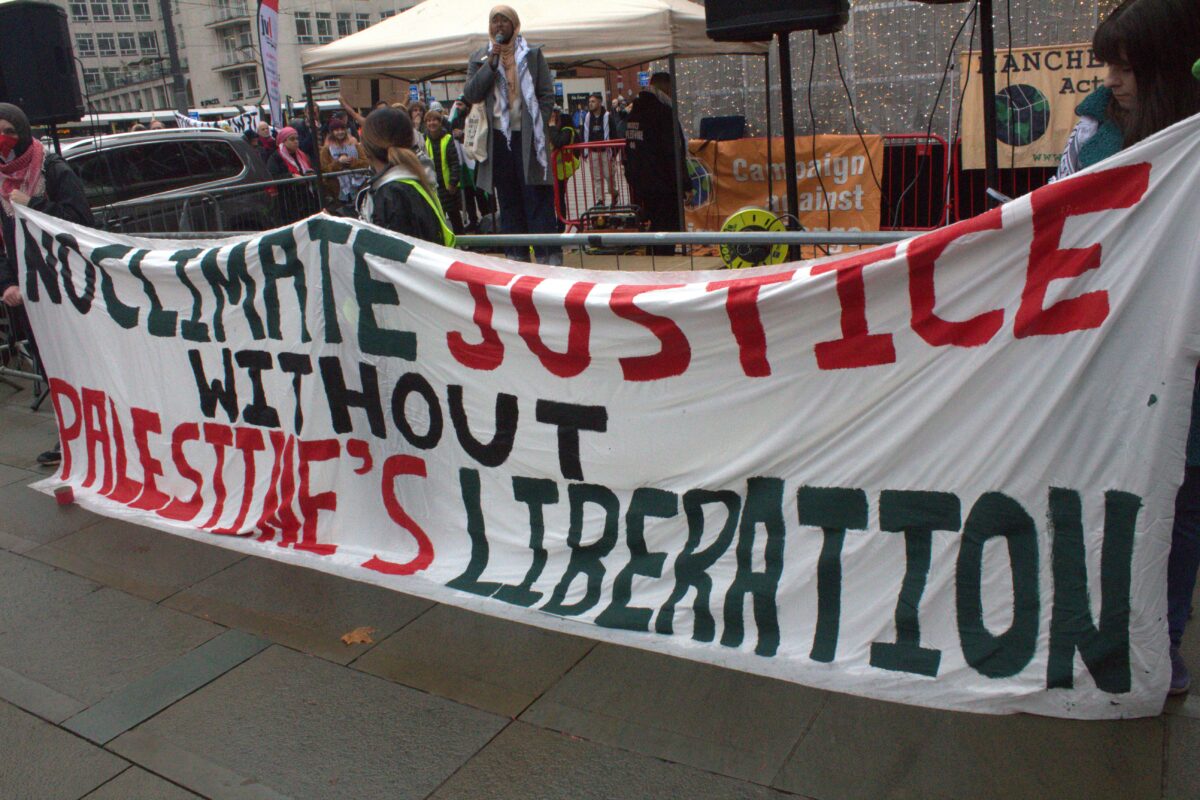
(836,180)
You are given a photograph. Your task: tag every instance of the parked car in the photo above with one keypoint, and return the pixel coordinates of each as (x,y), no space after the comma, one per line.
(180,179)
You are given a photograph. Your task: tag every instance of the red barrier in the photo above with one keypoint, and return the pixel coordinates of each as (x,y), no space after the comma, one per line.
(589,174)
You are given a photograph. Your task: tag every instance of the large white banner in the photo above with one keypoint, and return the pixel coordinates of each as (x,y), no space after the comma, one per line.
(939,472)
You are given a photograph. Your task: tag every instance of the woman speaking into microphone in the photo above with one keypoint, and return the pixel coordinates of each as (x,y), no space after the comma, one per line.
(511,79)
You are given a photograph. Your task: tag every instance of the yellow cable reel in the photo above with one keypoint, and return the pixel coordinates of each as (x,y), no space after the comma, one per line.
(740,256)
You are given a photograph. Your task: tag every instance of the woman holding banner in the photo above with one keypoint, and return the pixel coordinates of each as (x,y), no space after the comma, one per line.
(29,176)
(1150,47)
(399,197)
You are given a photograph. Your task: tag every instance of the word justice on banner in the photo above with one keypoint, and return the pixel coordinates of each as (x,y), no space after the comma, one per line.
(939,472)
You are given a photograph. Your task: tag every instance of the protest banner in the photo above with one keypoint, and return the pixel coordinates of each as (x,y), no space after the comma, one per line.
(835,181)
(246,121)
(1037,90)
(938,472)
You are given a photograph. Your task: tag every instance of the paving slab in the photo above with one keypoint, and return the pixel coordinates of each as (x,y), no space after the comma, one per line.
(16,475)
(866,748)
(302,727)
(493,664)
(137,784)
(29,589)
(141,561)
(719,720)
(526,762)
(96,644)
(44,762)
(25,436)
(1183,766)
(31,516)
(298,607)
(142,699)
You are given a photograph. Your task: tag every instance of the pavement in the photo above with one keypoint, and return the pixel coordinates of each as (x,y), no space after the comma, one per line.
(135,664)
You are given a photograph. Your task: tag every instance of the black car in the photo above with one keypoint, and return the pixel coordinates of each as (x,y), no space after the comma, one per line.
(177,180)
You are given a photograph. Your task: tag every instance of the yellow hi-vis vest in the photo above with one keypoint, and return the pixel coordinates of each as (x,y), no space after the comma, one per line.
(446,139)
(448,237)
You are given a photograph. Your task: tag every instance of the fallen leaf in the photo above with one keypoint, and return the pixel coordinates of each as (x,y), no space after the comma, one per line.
(359,636)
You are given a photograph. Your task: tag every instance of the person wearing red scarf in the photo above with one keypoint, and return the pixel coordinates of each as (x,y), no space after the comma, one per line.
(44,182)
(288,160)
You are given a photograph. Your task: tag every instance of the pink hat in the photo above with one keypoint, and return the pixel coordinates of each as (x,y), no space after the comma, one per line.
(284,134)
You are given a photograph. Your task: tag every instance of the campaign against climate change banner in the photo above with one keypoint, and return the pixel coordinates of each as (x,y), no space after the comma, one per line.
(1037,90)
(836,181)
(939,472)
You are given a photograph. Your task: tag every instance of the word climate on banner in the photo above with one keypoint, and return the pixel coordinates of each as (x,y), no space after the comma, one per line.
(939,472)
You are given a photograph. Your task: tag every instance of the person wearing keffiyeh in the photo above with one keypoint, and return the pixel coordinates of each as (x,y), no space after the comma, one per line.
(30,176)
(511,78)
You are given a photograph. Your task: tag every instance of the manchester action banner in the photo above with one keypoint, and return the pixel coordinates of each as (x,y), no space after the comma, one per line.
(939,472)
(1037,90)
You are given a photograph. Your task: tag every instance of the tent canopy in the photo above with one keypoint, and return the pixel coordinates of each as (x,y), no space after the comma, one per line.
(435,38)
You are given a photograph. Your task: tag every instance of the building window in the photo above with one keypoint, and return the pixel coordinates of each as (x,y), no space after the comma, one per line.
(112,76)
(250,83)
(106,43)
(84,44)
(343,24)
(141,11)
(127,42)
(235,86)
(79,10)
(120,10)
(100,11)
(362,21)
(388,12)
(148,43)
(91,78)
(304,28)
(324,27)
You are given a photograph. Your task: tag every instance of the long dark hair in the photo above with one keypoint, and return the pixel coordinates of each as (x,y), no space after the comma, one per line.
(387,136)
(1159,40)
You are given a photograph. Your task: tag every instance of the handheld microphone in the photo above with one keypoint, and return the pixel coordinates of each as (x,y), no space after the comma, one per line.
(499,38)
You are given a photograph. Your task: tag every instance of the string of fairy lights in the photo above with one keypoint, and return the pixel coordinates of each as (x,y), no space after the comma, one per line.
(893,53)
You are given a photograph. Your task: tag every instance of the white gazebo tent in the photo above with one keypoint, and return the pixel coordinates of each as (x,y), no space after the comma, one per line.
(435,38)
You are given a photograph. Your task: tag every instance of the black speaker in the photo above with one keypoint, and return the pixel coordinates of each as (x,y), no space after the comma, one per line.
(759,20)
(37,62)
(722,129)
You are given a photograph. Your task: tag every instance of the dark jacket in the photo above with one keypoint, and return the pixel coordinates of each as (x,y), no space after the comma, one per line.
(649,151)
(480,80)
(64,198)
(400,208)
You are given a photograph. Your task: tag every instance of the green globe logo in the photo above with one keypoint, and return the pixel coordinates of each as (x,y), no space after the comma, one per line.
(1022,115)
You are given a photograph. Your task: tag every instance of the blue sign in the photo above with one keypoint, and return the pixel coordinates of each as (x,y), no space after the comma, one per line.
(643,79)
(194,114)
(558,89)
(414,94)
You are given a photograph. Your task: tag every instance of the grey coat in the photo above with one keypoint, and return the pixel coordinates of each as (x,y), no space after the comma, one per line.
(480,80)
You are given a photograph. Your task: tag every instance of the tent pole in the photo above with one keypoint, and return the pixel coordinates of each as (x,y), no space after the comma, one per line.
(316,133)
(789,130)
(770,178)
(677,134)
(988,61)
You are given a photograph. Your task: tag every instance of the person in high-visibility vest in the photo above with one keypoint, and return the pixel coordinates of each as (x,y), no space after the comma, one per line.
(439,145)
(399,196)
